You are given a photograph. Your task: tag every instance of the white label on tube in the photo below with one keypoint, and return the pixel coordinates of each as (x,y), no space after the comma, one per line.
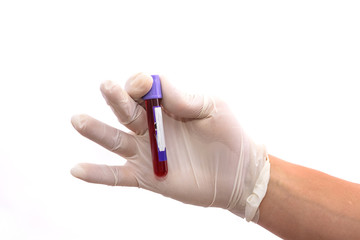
(160,137)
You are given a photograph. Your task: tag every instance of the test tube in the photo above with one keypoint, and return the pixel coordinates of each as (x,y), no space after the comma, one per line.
(156,127)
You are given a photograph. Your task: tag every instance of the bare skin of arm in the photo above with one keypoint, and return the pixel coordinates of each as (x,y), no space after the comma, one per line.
(303,203)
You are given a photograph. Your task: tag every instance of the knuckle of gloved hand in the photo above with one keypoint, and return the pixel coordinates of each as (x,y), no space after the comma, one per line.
(129,114)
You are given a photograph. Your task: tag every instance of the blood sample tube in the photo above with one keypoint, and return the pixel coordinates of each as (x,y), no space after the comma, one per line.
(156,128)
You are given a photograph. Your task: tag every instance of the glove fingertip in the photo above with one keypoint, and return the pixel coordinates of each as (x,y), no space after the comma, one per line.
(79,121)
(78,171)
(138,85)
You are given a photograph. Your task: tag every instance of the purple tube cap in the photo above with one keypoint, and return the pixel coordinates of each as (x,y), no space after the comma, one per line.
(155,91)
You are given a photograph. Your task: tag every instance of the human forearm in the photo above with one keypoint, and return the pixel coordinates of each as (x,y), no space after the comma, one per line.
(302,203)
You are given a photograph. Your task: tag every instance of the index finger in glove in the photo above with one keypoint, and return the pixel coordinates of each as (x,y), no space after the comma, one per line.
(128,112)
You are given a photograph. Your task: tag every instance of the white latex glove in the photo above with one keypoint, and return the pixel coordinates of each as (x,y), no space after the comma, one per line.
(211,161)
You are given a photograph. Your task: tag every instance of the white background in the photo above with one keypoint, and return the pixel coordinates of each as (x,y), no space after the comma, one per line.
(290,70)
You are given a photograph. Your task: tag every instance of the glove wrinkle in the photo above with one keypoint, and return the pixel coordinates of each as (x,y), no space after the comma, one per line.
(115,171)
(215,183)
(208,107)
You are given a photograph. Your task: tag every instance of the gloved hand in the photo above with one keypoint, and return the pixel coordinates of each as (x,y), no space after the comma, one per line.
(211,161)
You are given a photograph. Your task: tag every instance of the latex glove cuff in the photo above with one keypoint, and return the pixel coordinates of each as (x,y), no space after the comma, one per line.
(256,176)
(254,200)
